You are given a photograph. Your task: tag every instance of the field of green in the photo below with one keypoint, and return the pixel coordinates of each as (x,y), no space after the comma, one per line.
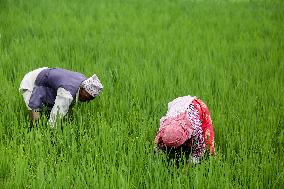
(146,53)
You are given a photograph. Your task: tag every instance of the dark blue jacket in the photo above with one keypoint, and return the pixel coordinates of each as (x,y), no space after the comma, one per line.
(47,83)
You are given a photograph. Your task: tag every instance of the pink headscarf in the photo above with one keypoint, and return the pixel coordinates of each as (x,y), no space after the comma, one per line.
(174,131)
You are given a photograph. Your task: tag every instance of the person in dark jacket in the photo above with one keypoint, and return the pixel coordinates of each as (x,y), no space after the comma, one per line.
(56,89)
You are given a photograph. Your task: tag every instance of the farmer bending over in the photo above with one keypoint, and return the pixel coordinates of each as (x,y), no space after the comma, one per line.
(186,128)
(56,89)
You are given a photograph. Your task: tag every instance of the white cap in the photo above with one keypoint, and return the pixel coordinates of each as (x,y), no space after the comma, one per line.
(92,85)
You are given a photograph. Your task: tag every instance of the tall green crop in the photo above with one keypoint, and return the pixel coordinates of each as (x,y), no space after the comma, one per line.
(146,53)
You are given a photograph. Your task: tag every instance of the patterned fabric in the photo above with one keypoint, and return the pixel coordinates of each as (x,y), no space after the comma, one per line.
(206,124)
(196,141)
(202,136)
(174,131)
(92,85)
(179,105)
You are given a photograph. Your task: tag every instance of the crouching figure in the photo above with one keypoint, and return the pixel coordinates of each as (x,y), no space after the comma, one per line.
(186,129)
(55,89)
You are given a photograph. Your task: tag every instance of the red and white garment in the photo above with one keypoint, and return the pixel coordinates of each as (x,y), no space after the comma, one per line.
(197,128)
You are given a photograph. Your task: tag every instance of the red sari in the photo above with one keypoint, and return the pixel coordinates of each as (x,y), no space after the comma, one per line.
(206,125)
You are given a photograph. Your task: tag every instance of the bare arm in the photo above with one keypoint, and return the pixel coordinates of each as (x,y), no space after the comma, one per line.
(34,116)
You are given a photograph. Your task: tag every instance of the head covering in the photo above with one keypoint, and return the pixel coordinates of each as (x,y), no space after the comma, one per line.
(174,131)
(92,85)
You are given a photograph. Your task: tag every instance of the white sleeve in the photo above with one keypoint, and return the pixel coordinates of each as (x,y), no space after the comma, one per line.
(61,105)
(27,95)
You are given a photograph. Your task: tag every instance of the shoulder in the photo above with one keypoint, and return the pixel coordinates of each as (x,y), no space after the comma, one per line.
(181,99)
(180,102)
(64,93)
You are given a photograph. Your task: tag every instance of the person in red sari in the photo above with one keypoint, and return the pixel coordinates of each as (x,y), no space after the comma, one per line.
(187,127)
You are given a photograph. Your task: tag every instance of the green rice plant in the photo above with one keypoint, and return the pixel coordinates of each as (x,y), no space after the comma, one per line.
(146,53)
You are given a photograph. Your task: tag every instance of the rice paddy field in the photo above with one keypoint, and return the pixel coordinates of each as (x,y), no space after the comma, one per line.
(146,53)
